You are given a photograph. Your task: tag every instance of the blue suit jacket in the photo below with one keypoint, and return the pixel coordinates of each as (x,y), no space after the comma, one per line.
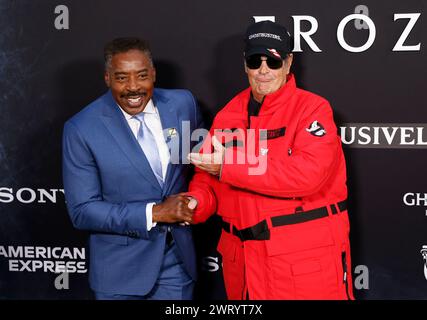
(108,182)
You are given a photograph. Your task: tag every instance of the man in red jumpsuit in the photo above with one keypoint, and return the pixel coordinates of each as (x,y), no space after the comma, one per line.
(275,172)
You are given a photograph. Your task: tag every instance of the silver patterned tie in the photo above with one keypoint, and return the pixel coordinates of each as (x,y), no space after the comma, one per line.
(148,144)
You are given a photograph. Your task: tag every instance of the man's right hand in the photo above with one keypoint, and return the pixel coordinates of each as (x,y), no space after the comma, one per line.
(174,209)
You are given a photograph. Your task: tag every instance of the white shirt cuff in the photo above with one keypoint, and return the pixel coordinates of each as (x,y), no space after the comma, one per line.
(149,215)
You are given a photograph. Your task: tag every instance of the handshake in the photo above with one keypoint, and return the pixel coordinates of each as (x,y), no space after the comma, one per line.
(177,208)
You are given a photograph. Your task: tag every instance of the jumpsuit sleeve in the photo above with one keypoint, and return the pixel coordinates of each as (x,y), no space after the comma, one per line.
(313,159)
(202,188)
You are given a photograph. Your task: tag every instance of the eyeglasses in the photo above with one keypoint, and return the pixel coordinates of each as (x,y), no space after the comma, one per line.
(255,61)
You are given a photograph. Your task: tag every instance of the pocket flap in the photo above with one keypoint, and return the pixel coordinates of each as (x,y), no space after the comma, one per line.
(298,238)
(113,238)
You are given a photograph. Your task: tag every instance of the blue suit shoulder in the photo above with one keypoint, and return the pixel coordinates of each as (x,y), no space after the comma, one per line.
(182,99)
(181,94)
(167,93)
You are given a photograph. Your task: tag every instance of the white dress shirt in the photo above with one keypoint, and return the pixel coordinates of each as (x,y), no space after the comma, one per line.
(153,122)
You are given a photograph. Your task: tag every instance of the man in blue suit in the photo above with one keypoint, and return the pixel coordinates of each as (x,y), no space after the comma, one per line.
(124,185)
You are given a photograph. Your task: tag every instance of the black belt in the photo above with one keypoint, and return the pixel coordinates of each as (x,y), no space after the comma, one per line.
(169,237)
(260,231)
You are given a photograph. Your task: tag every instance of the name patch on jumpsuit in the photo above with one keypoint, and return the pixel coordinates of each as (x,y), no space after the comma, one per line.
(272,134)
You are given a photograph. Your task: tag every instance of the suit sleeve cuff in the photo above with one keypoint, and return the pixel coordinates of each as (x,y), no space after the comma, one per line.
(149,215)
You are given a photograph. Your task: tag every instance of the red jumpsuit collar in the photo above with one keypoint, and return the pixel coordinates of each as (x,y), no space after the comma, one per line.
(281,96)
(271,101)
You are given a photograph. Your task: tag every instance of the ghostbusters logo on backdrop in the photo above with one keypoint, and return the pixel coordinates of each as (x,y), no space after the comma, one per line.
(424,255)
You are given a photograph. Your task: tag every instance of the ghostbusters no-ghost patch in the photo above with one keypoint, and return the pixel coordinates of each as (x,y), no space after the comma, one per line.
(316,129)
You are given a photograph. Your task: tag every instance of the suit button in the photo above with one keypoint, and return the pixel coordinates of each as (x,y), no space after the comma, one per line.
(131,233)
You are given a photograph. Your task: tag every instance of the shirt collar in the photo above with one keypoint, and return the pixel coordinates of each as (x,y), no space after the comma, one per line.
(149,108)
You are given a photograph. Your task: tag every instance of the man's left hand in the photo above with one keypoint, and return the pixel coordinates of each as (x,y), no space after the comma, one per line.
(210,162)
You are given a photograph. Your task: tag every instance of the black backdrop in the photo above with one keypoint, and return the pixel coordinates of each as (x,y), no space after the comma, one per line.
(48,74)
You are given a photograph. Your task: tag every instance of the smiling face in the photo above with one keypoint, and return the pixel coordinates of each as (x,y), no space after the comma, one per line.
(131,76)
(265,80)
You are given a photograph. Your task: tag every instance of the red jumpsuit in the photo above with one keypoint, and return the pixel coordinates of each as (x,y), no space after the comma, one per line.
(281,195)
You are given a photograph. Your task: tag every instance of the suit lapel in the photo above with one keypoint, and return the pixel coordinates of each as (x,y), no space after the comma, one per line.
(116,124)
(171,132)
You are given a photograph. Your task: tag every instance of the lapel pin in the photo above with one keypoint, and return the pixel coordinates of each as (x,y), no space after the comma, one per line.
(172,132)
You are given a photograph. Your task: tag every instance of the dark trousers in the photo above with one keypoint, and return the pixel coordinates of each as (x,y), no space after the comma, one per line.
(173,282)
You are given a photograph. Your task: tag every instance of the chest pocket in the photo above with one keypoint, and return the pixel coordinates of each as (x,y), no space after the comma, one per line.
(233,137)
(274,142)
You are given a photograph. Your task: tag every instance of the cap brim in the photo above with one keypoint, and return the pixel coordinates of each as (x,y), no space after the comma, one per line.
(261,50)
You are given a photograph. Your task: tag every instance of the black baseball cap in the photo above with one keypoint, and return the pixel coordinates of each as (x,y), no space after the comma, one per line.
(269,38)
